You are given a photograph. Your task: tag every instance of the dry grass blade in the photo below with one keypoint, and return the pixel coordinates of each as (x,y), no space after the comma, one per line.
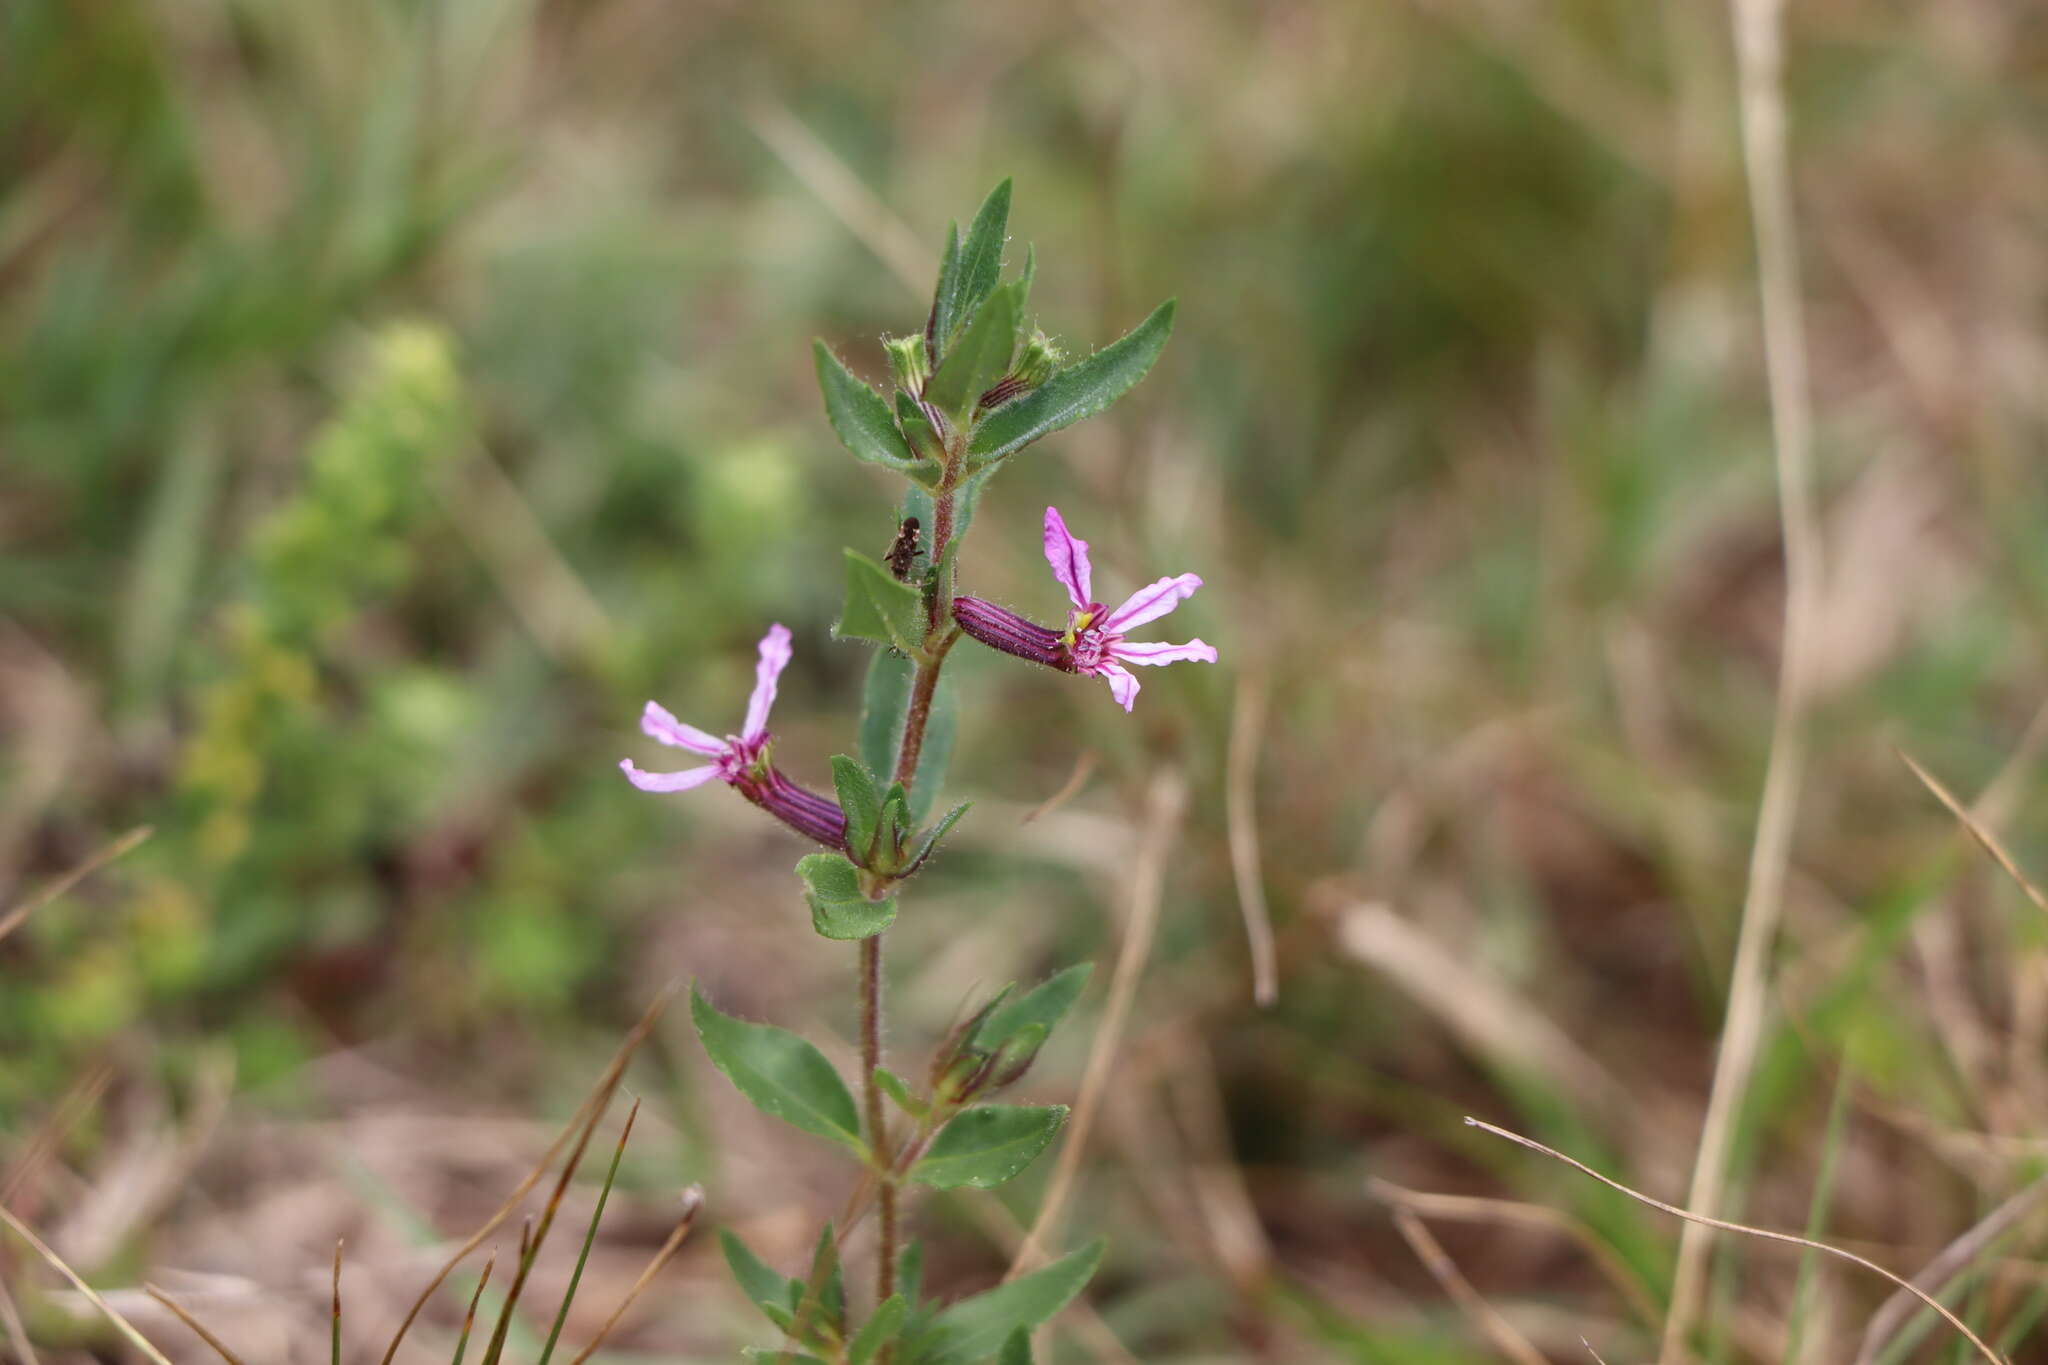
(1953,1260)
(1466,1208)
(1445,1271)
(220,1348)
(693,1201)
(17,1334)
(77,1102)
(1977,830)
(1167,801)
(583,1122)
(18,916)
(1759,52)
(126,1328)
(1247,724)
(1765,1234)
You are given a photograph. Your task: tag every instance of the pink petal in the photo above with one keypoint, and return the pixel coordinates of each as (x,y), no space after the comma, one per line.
(667,782)
(1123,685)
(1150,603)
(1194,651)
(1068,557)
(775,654)
(657,723)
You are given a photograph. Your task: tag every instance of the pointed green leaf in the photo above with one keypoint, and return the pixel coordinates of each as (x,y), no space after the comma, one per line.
(898,1090)
(776,1355)
(970,268)
(879,1330)
(938,832)
(831,1300)
(938,327)
(857,799)
(1017,1350)
(784,1076)
(976,1328)
(839,909)
(986,1146)
(1079,391)
(860,417)
(981,250)
(1024,281)
(978,359)
(757,1280)
(1044,1005)
(879,607)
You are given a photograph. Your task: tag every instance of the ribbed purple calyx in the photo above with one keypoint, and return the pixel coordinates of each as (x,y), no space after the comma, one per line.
(1012,634)
(806,812)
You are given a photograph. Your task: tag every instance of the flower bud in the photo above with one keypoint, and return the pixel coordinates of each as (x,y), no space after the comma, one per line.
(1040,360)
(907,362)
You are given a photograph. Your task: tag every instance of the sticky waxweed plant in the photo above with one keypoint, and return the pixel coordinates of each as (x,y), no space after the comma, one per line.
(978,384)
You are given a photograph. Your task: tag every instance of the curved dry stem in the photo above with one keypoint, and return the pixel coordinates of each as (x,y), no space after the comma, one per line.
(1767,1234)
(1497,1329)
(220,1348)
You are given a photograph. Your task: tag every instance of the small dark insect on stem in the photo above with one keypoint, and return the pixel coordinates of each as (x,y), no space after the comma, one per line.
(903,553)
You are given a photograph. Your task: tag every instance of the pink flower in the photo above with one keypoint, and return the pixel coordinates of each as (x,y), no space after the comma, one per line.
(1094,642)
(741,761)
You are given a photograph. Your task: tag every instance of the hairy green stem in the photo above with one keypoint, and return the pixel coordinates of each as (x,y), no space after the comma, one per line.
(916,718)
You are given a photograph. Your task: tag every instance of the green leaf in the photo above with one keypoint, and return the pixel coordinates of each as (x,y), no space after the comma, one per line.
(859,416)
(776,1355)
(978,359)
(1017,1350)
(757,1280)
(1043,1005)
(879,607)
(1079,391)
(971,266)
(938,328)
(825,1273)
(784,1076)
(981,250)
(839,909)
(910,1270)
(857,798)
(879,1330)
(976,1328)
(986,1146)
(884,699)
(938,832)
(898,1090)
(923,438)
